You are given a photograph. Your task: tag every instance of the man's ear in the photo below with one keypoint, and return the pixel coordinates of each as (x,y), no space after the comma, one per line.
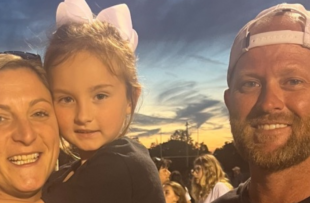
(227,98)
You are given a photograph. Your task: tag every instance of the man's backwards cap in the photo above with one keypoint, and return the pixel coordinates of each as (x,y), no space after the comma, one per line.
(244,41)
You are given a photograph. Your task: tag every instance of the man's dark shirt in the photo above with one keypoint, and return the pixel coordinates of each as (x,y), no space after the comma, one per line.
(241,195)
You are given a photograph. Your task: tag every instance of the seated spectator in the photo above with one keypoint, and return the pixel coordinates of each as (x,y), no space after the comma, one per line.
(174,192)
(162,167)
(177,177)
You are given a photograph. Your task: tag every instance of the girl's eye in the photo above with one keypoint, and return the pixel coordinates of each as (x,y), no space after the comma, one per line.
(66,100)
(41,114)
(101,96)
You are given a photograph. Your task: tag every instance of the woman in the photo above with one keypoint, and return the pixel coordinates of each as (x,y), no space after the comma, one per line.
(209,180)
(174,192)
(29,141)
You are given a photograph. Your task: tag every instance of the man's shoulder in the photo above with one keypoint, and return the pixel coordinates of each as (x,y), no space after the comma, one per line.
(237,195)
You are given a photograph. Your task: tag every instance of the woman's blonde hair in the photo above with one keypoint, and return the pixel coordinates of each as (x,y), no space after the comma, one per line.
(9,61)
(178,190)
(103,41)
(212,173)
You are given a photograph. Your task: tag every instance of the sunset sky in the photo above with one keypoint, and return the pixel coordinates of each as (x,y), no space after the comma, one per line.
(182,54)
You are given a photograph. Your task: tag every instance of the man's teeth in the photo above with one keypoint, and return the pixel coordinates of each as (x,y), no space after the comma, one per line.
(24,159)
(271,127)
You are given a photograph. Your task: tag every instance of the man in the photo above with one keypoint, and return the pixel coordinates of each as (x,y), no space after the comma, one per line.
(237,177)
(162,166)
(268,99)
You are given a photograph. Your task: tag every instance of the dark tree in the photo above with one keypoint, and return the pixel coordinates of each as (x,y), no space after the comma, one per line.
(229,157)
(181,151)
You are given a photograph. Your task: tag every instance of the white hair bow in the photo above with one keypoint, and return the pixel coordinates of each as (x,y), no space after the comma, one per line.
(78,11)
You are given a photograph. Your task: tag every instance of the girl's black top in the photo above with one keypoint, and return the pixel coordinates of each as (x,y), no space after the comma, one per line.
(120,172)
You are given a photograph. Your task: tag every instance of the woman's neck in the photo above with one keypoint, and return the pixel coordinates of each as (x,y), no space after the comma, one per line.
(31,197)
(18,201)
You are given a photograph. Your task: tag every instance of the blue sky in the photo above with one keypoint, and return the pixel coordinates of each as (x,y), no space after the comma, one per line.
(183,54)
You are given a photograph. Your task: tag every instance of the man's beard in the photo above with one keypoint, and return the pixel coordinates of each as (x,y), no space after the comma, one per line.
(293,152)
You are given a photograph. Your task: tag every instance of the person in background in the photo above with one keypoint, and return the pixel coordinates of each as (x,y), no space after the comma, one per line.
(174,192)
(91,68)
(177,177)
(162,166)
(209,181)
(237,177)
(29,141)
(268,101)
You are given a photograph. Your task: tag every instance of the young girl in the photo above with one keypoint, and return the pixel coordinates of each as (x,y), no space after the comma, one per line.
(209,180)
(91,70)
(174,192)
(177,177)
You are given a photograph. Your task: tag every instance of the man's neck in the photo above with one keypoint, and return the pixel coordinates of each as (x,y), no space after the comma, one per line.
(289,185)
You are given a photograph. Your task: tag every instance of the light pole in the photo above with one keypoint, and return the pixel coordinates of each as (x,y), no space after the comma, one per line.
(186,124)
(198,138)
(161,151)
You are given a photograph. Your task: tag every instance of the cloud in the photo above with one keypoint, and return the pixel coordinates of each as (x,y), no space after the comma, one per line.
(198,112)
(196,107)
(208,60)
(140,119)
(185,100)
(176,91)
(148,133)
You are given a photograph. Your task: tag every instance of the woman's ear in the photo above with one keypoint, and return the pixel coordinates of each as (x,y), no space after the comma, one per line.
(176,198)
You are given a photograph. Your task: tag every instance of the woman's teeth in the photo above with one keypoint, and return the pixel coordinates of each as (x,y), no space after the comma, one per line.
(24,159)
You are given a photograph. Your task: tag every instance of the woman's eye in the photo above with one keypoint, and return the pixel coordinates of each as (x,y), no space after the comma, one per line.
(101,96)
(66,100)
(2,118)
(41,114)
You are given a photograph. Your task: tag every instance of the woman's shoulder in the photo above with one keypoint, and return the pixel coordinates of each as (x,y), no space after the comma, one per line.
(222,186)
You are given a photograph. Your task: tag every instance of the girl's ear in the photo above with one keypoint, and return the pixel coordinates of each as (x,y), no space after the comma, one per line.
(135,97)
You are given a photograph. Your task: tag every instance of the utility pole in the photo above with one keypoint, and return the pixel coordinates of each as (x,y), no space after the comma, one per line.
(198,139)
(161,150)
(186,124)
